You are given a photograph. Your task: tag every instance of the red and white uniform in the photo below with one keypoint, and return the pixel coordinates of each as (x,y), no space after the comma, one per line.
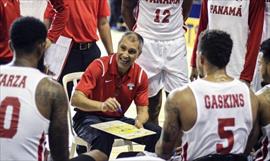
(266,29)
(22,127)
(160,22)
(243,20)
(224,119)
(263,154)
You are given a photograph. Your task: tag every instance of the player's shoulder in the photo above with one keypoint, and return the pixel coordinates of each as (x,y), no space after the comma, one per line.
(49,87)
(181,94)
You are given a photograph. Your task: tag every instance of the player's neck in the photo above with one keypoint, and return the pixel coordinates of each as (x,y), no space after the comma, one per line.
(217,75)
(25,62)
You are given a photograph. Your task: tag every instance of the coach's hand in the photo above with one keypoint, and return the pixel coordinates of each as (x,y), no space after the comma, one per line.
(110,105)
(138,124)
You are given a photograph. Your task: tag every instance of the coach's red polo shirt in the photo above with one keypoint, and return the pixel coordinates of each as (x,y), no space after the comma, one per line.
(101,80)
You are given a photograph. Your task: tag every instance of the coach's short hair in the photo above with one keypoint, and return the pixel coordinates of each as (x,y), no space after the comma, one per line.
(26,32)
(265,49)
(216,46)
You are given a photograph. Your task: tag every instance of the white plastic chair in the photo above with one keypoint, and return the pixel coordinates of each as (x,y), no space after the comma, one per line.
(75,77)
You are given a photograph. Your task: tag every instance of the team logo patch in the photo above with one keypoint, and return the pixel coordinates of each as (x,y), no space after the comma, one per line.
(130,86)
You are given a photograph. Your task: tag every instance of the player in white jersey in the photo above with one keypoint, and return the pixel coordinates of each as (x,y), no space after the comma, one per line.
(257,80)
(31,104)
(263,154)
(213,115)
(161,24)
(243,20)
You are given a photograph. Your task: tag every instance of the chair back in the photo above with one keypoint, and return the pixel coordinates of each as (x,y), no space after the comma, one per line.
(74,78)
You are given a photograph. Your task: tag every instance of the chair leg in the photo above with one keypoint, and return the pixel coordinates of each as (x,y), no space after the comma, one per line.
(72,150)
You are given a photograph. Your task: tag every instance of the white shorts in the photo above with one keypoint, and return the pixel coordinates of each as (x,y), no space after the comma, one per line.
(165,63)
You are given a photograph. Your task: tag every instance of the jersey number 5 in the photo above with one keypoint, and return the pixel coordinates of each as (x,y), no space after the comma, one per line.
(11,130)
(225,134)
(165,13)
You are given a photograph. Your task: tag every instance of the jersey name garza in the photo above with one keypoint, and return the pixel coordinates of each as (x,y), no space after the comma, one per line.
(231,16)
(224,119)
(22,127)
(159,19)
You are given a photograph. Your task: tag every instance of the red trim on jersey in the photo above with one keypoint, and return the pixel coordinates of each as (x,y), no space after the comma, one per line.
(136,14)
(202,26)
(40,147)
(184,154)
(261,155)
(255,22)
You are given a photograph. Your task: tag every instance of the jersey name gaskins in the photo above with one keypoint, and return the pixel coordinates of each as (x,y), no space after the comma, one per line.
(226,10)
(12,80)
(224,101)
(164,1)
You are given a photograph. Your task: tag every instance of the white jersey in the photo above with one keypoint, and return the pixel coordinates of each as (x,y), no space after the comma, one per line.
(266,29)
(224,119)
(22,127)
(159,19)
(263,154)
(232,17)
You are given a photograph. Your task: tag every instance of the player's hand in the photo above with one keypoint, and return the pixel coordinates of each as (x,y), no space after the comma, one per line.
(178,150)
(48,43)
(110,105)
(138,124)
(194,74)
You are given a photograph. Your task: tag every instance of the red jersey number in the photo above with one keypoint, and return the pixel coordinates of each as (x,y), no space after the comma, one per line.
(13,102)
(225,134)
(166,13)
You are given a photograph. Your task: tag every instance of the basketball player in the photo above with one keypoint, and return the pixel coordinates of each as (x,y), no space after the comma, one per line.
(31,104)
(161,25)
(243,20)
(263,154)
(213,115)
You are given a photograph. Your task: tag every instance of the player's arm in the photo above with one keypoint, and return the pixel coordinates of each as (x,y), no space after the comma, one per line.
(171,129)
(142,116)
(53,100)
(255,23)
(187,4)
(127,9)
(202,26)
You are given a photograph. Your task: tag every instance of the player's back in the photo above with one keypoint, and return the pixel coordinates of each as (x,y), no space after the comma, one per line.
(160,19)
(22,127)
(224,119)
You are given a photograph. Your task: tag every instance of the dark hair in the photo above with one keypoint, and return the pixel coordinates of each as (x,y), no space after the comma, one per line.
(26,32)
(216,46)
(265,49)
(139,38)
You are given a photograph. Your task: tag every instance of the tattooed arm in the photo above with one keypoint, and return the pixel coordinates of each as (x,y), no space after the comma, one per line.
(264,107)
(171,128)
(53,104)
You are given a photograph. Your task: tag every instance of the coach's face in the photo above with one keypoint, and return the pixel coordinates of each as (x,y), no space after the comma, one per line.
(265,70)
(127,53)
